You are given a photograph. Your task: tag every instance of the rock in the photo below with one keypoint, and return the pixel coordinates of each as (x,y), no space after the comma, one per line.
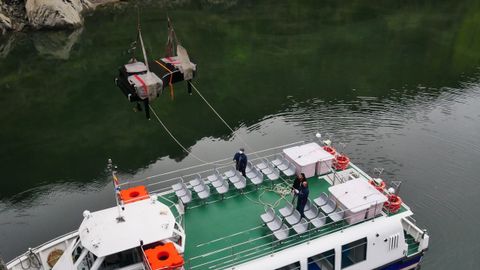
(5,24)
(97,3)
(15,11)
(56,13)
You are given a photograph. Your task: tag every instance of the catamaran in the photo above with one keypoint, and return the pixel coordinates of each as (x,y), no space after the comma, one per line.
(212,217)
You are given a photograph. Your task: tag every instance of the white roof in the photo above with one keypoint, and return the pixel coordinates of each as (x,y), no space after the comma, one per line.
(307,154)
(357,195)
(148,220)
(135,67)
(149,78)
(146,85)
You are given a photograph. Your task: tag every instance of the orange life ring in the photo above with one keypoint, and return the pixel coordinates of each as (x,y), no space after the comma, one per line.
(134,194)
(164,257)
(393,203)
(330,150)
(380,187)
(341,162)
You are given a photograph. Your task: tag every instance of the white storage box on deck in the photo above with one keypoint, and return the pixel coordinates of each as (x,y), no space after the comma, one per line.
(309,158)
(359,198)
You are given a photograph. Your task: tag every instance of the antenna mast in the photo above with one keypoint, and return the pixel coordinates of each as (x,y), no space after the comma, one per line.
(113,171)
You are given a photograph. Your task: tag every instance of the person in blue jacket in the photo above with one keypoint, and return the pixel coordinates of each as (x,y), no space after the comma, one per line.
(302,194)
(241,161)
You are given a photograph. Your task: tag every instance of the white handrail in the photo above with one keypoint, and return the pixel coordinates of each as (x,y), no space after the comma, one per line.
(44,245)
(203,165)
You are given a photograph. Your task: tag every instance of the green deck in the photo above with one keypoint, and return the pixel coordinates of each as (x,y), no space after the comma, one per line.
(222,233)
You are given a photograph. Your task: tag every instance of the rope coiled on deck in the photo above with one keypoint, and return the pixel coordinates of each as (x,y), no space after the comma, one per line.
(282,190)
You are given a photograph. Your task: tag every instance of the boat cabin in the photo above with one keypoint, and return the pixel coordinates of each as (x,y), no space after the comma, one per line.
(139,235)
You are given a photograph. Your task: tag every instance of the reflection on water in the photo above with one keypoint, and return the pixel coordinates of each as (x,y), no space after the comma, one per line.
(56,44)
(397,84)
(6,45)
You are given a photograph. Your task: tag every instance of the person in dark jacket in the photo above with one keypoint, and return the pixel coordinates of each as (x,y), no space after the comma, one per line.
(302,194)
(296,184)
(298,181)
(240,161)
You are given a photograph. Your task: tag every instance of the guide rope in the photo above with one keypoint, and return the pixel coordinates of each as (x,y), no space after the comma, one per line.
(220,117)
(229,127)
(181,145)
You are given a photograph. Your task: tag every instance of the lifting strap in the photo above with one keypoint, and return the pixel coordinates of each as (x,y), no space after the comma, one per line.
(171,77)
(144,85)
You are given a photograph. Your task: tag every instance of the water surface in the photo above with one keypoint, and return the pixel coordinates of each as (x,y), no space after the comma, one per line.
(398,83)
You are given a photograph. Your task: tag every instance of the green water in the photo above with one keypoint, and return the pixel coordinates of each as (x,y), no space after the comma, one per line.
(396,81)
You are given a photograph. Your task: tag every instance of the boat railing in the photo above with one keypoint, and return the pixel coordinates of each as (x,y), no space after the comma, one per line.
(46,245)
(155,184)
(237,253)
(145,259)
(270,248)
(151,182)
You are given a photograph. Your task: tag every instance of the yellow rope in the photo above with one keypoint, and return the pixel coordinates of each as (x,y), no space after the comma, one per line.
(171,77)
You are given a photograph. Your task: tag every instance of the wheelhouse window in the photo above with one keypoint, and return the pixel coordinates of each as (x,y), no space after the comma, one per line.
(87,259)
(354,252)
(292,266)
(122,259)
(324,261)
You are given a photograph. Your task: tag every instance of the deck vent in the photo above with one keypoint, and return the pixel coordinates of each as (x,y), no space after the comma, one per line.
(393,241)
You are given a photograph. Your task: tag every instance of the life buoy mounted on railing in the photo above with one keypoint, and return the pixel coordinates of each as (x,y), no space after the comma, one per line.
(379,186)
(53,257)
(341,162)
(393,203)
(134,194)
(164,257)
(330,149)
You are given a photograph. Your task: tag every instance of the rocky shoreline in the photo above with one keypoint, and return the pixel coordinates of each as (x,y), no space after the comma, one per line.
(21,15)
